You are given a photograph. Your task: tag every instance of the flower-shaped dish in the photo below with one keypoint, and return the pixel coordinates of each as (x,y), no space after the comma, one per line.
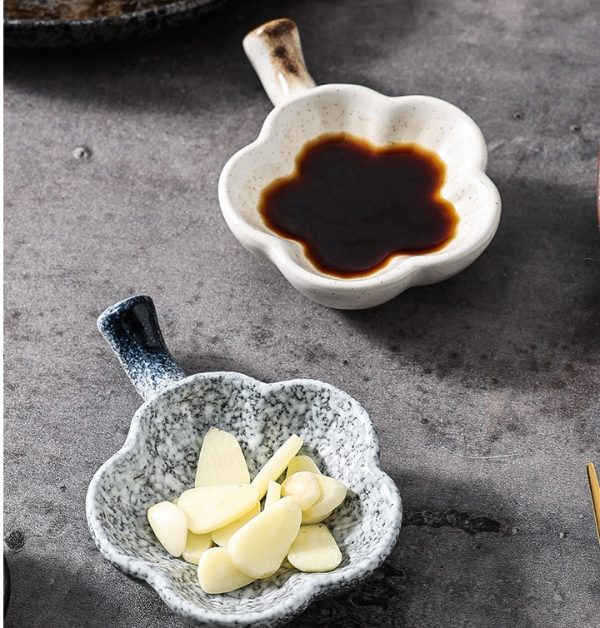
(302,113)
(158,460)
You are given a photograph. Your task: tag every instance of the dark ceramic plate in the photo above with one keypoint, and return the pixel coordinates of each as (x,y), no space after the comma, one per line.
(49,23)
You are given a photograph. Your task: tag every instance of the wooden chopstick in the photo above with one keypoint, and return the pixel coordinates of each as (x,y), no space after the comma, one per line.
(595,490)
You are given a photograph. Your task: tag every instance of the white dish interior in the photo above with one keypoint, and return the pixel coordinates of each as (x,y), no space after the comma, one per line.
(429,122)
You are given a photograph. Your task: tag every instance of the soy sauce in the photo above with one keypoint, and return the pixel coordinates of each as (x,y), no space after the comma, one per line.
(354,206)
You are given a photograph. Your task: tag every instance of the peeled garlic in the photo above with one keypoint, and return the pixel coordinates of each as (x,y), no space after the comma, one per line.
(209,508)
(169,525)
(302,463)
(221,460)
(332,495)
(218,574)
(225,508)
(277,464)
(258,548)
(303,487)
(195,546)
(222,535)
(273,493)
(315,549)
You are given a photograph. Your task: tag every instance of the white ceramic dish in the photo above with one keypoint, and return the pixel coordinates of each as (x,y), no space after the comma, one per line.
(158,461)
(303,112)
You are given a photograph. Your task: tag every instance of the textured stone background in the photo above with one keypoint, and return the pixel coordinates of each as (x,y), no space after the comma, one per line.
(484,389)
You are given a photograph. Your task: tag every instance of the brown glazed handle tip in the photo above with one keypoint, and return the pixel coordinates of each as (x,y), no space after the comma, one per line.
(275,51)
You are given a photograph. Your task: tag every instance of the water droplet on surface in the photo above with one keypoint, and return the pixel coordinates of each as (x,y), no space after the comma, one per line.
(82,152)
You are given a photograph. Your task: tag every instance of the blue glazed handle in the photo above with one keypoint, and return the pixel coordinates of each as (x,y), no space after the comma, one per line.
(132,330)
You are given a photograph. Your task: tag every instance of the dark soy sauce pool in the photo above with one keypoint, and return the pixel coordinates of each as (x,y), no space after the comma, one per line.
(353,206)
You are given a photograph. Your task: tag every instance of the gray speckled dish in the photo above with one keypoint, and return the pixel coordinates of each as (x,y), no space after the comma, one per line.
(158,461)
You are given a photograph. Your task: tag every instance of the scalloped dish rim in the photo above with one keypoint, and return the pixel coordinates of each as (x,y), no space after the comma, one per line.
(274,246)
(319,584)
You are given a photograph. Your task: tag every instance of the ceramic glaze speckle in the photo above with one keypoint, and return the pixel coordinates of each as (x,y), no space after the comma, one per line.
(276,54)
(304,113)
(131,328)
(159,458)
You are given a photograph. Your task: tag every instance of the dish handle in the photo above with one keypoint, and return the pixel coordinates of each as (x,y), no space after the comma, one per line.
(275,52)
(131,329)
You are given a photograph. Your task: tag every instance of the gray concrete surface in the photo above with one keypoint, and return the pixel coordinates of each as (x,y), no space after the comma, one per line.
(484,389)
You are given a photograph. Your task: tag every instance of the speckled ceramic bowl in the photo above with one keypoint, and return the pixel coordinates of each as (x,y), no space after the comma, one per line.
(158,460)
(302,113)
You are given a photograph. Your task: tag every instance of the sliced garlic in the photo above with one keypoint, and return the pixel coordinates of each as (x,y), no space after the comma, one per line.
(221,460)
(218,574)
(195,546)
(302,463)
(169,525)
(315,549)
(259,548)
(222,535)
(303,487)
(209,508)
(273,493)
(333,494)
(277,464)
